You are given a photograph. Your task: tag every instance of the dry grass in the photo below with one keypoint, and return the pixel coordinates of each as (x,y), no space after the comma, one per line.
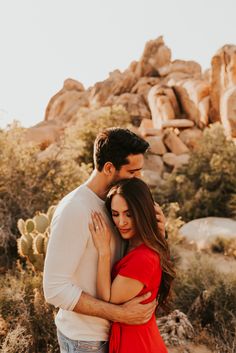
(208,297)
(27,321)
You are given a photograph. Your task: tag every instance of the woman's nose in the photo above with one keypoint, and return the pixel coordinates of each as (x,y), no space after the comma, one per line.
(122,221)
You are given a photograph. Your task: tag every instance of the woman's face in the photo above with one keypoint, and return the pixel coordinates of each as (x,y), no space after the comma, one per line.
(122,217)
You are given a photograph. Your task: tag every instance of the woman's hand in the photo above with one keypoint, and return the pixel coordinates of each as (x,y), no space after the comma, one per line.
(101,233)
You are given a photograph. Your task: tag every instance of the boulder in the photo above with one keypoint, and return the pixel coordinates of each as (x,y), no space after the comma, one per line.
(133,103)
(73,85)
(156,54)
(178,123)
(228,111)
(223,76)
(203,231)
(146,129)
(64,104)
(163,105)
(191,93)
(154,163)
(156,145)
(175,161)
(143,86)
(191,137)
(191,68)
(44,133)
(151,177)
(174,144)
(117,84)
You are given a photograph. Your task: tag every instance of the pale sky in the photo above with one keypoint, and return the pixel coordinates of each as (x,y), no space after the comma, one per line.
(46,41)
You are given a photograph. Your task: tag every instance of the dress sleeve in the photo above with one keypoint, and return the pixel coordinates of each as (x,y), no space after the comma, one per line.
(140,265)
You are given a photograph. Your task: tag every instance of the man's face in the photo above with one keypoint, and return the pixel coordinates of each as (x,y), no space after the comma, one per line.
(132,169)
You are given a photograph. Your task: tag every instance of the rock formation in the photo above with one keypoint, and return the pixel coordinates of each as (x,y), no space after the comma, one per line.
(223,86)
(170,101)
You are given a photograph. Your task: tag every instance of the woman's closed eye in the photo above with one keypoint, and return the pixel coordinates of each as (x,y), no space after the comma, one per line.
(116,214)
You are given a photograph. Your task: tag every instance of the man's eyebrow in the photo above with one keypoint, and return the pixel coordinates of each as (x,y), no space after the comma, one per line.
(135,170)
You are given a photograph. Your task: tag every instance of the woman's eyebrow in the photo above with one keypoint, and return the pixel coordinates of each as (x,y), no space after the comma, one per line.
(127,210)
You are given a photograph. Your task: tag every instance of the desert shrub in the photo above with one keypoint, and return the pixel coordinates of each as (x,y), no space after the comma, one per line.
(30,181)
(17,341)
(29,320)
(173,222)
(224,246)
(208,297)
(206,186)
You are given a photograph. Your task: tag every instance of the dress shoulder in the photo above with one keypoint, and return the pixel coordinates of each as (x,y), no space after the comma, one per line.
(140,263)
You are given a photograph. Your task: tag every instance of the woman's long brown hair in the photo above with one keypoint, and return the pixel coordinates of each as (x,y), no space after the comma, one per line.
(141,207)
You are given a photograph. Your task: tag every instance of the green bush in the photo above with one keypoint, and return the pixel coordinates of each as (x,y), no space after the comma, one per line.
(206,186)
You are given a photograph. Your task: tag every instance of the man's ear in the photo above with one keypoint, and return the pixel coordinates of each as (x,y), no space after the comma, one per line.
(108,168)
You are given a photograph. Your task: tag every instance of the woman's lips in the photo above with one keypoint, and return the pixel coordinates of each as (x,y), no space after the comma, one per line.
(124,230)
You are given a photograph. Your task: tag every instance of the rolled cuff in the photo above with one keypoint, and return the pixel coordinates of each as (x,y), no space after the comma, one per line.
(65,299)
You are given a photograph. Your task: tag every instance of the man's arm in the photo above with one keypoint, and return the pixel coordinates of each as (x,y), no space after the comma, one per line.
(132,312)
(63,255)
(67,243)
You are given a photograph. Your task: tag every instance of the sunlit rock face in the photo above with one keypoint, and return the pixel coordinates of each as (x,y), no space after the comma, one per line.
(204,231)
(223,86)
(170,102)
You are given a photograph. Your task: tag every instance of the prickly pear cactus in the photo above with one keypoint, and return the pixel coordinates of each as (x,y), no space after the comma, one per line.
(34,237)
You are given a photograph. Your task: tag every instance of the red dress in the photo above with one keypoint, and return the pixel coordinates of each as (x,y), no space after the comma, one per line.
(142,264)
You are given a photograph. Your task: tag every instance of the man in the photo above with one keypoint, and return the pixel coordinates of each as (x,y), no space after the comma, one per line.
(71,261)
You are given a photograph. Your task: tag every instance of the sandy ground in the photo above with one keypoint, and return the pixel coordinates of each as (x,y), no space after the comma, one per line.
(221,263)
(190,348)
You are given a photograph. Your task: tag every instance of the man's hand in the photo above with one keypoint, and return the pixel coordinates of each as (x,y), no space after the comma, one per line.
(135,313)
(161,221)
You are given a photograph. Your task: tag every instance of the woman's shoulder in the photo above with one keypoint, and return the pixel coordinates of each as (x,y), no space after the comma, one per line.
(143,251)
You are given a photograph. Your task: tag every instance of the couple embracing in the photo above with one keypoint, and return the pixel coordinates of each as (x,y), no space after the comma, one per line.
(107,264)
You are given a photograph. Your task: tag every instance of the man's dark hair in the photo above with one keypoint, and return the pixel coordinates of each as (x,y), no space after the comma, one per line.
(115,145)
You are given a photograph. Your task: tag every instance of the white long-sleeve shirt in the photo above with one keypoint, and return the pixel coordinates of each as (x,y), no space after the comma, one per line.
(71,264)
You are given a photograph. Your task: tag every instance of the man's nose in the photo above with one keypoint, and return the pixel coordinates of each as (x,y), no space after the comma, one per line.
(138,174)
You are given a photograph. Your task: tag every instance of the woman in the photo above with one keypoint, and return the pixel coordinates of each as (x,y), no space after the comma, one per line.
(146,267)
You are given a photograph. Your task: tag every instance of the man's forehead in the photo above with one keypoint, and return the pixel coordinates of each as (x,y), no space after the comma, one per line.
(135,161)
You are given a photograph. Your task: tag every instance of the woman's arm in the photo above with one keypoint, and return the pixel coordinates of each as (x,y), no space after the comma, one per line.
(122,288)
(101,238)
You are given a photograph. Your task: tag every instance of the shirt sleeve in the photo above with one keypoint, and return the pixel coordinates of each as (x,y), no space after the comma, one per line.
(67,243)
(140,265)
